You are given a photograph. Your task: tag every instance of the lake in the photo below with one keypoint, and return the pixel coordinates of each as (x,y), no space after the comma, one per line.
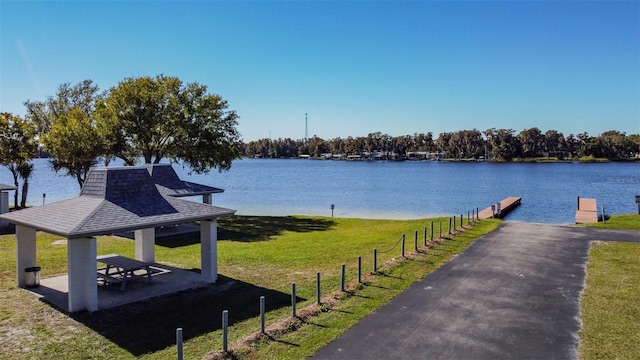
(394,190)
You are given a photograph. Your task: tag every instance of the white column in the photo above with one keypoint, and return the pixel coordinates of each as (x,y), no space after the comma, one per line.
(25,251)
(207,199)
(209,250)
(4,205)
(83,284)
(145,245)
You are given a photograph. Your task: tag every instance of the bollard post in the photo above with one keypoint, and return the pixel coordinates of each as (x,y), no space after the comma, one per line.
(415,242)
(440,229)
(454,223)
(342,277)
(375,260)
(604,221)
(293,299)
(359,269)
(449,229)
(225,330)
(262,315)
(461,220)
(179,343)
(478,214)
(402,245)
(425,236)
(318,287)
(432,231)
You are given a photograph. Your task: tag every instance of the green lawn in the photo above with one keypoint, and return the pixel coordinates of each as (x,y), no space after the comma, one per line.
(257,256)
(609,303)
(624,222)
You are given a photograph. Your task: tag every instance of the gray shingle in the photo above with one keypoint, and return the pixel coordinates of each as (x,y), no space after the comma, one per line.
(169,183)
(112,200)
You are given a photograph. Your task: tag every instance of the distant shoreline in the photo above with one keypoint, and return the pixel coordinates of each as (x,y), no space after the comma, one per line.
(516,161)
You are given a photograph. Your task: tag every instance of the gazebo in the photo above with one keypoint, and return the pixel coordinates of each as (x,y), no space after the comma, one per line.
(113,199)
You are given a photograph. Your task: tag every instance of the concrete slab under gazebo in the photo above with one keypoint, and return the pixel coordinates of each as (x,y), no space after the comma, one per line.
(113,199)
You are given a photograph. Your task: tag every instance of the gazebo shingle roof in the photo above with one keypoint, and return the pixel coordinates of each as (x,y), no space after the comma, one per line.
(112,200)
(4,187)
(169,183)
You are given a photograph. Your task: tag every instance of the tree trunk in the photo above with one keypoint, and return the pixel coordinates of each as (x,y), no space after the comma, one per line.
(25,191)
(14,172)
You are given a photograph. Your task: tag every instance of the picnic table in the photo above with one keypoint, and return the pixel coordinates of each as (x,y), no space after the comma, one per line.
(119,269)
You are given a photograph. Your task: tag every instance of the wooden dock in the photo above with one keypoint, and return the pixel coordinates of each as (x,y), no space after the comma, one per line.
(587,211)
(502,210)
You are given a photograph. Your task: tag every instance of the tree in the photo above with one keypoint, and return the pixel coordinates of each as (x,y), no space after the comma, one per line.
(67,128)
(17,147)
(79,155)
(161,118)
(82,96)
(532,141)
(503,143)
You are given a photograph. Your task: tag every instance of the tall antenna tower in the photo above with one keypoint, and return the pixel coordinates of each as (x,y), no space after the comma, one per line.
(306,128)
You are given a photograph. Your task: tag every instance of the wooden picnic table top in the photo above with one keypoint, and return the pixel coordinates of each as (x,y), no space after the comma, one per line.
(125,263)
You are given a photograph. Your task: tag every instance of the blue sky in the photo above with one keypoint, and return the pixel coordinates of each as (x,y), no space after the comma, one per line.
(355,67)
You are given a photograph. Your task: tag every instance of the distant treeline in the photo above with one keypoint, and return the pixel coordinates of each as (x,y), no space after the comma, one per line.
(499,144)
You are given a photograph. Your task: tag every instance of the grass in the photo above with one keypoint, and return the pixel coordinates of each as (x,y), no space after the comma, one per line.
(609,303)
(624,222)
(257,256)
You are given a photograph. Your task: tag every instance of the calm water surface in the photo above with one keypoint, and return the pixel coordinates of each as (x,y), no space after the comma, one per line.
(395,189)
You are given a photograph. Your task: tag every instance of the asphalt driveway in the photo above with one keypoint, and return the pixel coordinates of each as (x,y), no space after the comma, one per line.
(513,294)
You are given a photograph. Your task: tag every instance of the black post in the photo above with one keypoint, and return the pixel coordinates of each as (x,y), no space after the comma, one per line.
(403,245)
(342,277)
(425,236)
(359,269)
(318,287)
(375,260)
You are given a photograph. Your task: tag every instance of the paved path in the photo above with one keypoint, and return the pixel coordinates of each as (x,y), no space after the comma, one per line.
(513,294)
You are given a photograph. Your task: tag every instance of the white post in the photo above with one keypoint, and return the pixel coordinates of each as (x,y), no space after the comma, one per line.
(25,251)
(145,245)
(83,286)
(207,199)
(4,205)
(209,250)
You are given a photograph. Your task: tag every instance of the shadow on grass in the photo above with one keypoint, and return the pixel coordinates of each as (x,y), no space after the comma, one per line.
(261,228)
(251,229)
(149,326)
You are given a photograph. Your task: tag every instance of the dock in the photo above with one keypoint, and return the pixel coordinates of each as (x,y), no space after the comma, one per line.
(500,209)
(587,211)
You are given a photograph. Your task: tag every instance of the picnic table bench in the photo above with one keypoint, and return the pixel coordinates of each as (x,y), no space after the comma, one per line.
(124,267)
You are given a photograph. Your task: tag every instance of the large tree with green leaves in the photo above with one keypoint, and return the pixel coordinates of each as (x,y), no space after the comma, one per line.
(77,156)
(160,117)
(17,147)
(67,128)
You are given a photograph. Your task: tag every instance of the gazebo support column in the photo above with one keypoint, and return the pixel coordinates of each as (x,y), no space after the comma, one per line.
(4,206)
(25,251)
(209,250)
(83,285)
(145,245)
(207,199)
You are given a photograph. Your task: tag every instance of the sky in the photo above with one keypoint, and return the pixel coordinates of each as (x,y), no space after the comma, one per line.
(353,67)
